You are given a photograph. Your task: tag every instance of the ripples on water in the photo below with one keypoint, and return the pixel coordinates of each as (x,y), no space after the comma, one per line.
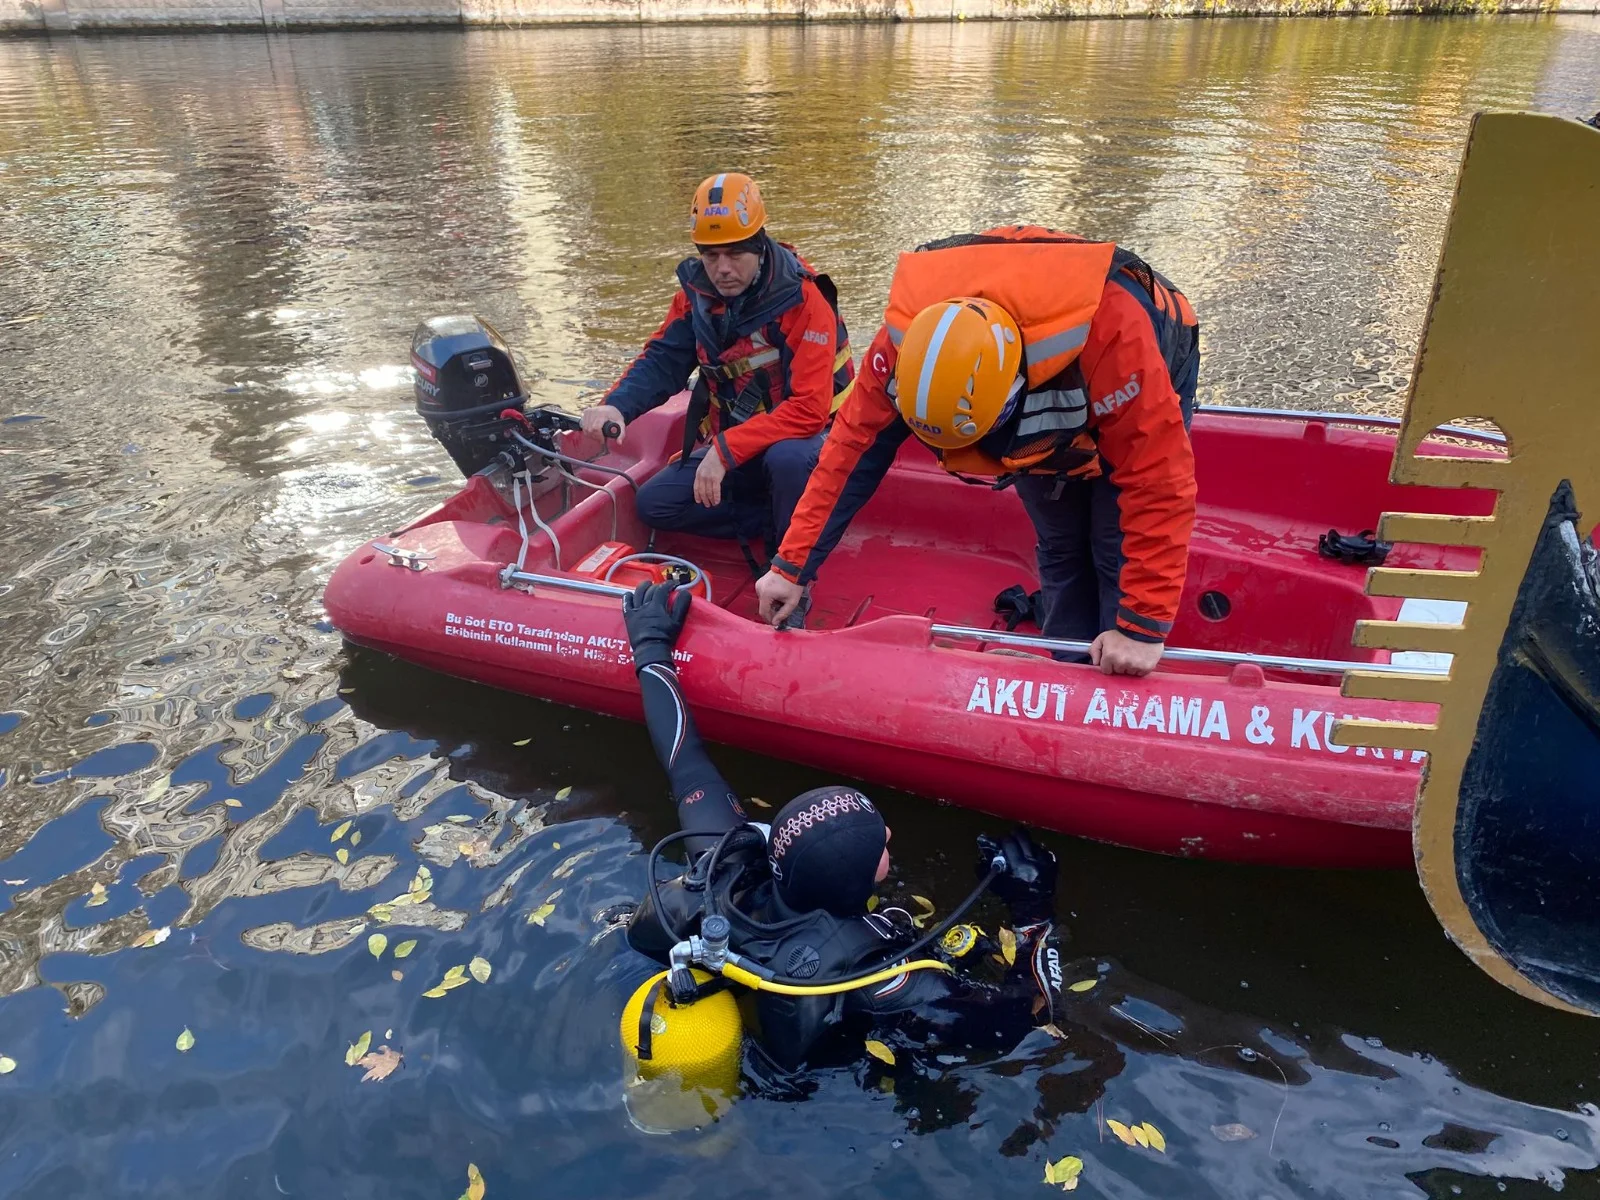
(213,252)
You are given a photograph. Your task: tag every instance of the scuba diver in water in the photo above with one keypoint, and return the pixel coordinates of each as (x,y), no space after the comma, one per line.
(783,910)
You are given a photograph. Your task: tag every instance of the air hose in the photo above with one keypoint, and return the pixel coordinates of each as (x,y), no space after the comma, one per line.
(748,978)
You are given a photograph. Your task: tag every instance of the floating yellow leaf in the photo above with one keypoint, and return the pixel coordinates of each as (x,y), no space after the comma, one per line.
(380,1064)
(480,969)
(563,793)
(97,895)
(7,1065)
(475,1185)
(523,742)
(342,855)
(757,801)
(1124,1134)
(458,818)
(185,1041)
(381,912)
(355,838)
(358,1048)
(872,903)
(1139,1135)
(1083,985)
(456,972)
(539,915)
(1064,1171)
(879,1051)
(346,691)
(397,976)
(405,948)
(1008,945)
(153,937)
(398,901)
(422,881)
(434,993)
(1154,1137)
(376,945)
(230,802)
(338,833)
(555,845)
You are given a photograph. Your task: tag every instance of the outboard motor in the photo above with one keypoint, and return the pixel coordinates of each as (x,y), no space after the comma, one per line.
(465,378)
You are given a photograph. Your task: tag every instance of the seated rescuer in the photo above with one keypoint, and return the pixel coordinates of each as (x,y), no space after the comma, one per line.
(761,327)
(797,898)
(1062,366)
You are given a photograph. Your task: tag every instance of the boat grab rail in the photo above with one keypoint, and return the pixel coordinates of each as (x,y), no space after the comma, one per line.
(1274,662)
(1337,418)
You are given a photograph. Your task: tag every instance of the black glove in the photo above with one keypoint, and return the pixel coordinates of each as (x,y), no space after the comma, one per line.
(654,614)
(1027,882)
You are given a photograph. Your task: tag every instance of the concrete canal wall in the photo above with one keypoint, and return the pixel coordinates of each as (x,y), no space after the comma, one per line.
(69,16)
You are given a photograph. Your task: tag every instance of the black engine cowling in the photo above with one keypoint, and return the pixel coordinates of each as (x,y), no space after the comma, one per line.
(465,377)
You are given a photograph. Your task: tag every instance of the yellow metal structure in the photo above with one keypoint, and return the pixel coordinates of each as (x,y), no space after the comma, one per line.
(1513,336)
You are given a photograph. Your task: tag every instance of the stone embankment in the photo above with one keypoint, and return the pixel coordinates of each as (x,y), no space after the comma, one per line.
(90,16)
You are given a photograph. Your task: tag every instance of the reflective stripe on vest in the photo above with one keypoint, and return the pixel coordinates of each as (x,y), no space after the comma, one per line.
(1053,411)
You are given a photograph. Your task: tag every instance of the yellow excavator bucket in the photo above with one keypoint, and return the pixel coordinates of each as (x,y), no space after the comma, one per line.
(1507,830)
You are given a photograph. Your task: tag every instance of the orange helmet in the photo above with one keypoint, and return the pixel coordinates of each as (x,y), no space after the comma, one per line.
(727,208)
(960,364)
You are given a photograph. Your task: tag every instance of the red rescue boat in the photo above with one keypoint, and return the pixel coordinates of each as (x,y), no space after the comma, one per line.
(904,675)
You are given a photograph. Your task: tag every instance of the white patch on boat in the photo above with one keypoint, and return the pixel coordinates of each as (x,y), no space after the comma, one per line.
(1428,612)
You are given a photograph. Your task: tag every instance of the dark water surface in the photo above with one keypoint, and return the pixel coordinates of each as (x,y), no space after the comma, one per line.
(212,253)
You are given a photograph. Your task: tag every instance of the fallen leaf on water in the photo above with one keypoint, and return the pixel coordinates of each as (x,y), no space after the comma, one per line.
(555,845)
(343,829)
(1232,1132)
(523,742)
(376,944)
(381,912)
(757,801)
(1155,1137)
(1083,985)
(480,969)
(539,915)
(872,903)
(475,1184)
(405,948)
(563,793)
(153,937)
(16,882)
(879,1051)
(185,1041)
(7,1065)
(397,976)
(357,1049)
(1139,1135)
(346,691)
(97,895)
(458,818)
(1008,945)
(355,838)
(434,993)
(230,802)
(422,881)
(380,1064)
(342,855)
(1064,1171)
(456,972)
(1124,1134)
(1054,1031)
(158,790)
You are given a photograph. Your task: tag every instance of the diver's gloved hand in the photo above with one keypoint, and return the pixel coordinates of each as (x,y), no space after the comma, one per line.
(654,614)
(1027,883)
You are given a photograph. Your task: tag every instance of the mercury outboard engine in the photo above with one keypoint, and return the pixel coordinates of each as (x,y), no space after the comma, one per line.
(465,378)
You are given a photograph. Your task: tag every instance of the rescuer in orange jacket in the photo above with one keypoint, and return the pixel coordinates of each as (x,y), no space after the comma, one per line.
(761,328)
(1064,367)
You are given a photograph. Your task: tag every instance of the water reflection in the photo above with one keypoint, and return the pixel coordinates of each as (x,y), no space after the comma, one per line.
(217,248)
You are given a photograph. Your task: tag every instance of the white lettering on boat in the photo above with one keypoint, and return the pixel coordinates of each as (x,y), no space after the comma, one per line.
(1170,715)
(539,639)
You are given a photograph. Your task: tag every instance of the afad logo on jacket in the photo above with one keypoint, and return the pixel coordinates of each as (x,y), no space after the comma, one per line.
(1107,405)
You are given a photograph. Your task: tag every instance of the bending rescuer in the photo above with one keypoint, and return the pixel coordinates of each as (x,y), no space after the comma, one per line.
(762,329)
(796,900)
(1034,359)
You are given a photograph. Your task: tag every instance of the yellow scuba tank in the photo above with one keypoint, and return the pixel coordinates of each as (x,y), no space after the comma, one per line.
(689,1068)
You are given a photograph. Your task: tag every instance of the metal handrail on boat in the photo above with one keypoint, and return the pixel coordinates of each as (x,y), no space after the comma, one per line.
(1337,418)
(1274,662)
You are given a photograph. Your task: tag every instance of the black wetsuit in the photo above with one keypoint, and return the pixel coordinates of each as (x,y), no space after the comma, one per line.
(987,1003)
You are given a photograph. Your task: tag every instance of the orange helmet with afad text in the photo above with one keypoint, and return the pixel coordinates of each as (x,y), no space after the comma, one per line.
(727,208)
(960,365)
